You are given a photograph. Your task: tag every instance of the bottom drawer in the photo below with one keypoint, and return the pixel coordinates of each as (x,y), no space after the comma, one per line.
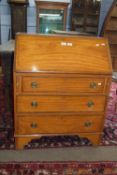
(58,124)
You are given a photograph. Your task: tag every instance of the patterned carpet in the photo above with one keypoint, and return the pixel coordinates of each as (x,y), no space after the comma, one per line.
(58,168)
(110,130)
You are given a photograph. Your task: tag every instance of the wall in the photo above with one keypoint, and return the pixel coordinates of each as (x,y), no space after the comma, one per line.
(31,17)
(4,20)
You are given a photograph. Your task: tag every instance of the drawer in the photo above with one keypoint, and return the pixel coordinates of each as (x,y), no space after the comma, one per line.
(62,84)
(58,124)
(59,103)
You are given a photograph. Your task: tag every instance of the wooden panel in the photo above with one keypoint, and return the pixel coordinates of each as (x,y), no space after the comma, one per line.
(63,85)
(112,25)
(114,58)
(114,11)
(113,49)
(112,36)
(42,53)
(109,30)
(21,141)
(58,125)
(60,103)
(18,13)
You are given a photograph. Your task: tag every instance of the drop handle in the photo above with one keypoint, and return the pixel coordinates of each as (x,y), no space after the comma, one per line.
(34,85)
(34,125)
(88,124)
(90,104)
(93,85)
(34,104)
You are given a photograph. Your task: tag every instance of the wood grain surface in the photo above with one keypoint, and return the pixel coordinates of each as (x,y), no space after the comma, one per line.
(61,86)
(42,53)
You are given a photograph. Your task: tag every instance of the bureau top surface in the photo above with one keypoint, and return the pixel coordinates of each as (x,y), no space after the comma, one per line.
(61,54)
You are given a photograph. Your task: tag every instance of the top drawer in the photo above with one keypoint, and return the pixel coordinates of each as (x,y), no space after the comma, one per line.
(63,84)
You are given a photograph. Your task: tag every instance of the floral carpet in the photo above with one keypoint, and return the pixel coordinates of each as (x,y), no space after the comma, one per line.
(6,124)
(58,168)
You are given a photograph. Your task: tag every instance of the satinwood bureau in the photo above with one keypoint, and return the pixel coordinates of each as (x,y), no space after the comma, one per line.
(61,86)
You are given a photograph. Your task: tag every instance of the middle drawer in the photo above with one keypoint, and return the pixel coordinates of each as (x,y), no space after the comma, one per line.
(59,103)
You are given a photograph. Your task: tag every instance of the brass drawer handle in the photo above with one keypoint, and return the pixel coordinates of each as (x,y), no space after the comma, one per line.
(34,85)
(88,124)
(90,104)
(34,104)
(34,125)
(93,85)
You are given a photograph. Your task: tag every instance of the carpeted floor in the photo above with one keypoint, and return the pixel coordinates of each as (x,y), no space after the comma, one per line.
(58,168)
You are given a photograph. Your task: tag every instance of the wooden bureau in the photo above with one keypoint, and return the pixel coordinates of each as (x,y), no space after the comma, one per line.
(61,86)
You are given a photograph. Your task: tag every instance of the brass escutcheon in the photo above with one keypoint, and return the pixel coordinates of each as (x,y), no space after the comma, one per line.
(90,104)
(34,125)
(34,85)
(87,124)
(93,85)
(34,104)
